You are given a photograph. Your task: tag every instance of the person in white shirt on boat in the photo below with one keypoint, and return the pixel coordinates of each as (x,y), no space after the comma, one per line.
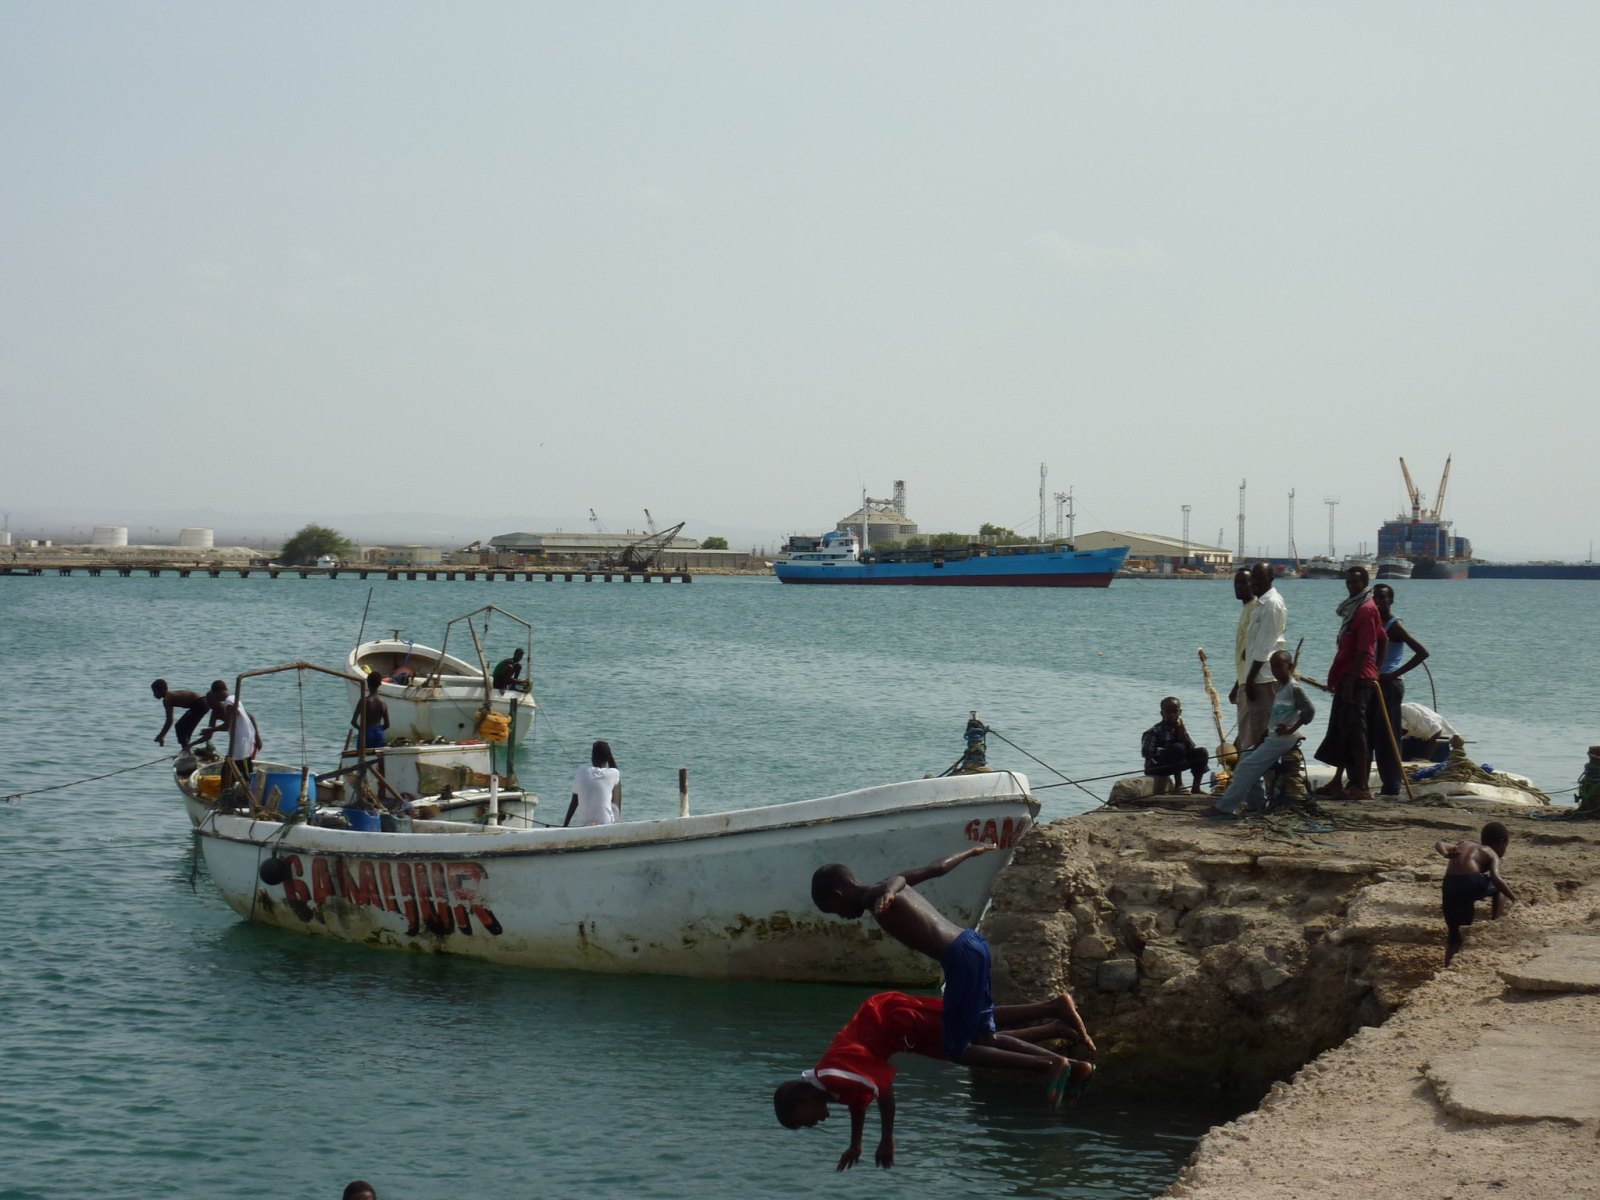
(597,790)
(244,735)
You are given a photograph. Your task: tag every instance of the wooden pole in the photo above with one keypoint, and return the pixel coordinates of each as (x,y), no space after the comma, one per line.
(1394,745)
(1227,754)
(683,791)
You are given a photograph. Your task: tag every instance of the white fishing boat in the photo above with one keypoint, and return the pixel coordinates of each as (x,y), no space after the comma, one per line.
(434,694)
(721,895)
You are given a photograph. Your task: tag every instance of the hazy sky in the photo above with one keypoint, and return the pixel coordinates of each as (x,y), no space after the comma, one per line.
(735,262)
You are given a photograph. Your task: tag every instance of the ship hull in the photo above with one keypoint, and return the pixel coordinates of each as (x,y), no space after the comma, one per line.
(1441,568)
(1054,568)
(1535,570)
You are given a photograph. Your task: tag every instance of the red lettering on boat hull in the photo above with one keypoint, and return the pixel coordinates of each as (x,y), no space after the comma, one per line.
(440,897)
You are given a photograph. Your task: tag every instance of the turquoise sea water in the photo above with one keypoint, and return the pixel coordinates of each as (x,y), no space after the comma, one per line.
(153,1045)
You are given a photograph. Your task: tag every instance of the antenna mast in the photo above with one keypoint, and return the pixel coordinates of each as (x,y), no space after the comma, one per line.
(1185,533)
(1044,472)
(1240,557)
(1332,502)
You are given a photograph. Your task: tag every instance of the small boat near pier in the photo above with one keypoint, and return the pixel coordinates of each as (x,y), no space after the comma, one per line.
(432,694)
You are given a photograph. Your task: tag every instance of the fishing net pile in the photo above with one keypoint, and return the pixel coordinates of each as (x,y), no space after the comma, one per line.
(1461,769)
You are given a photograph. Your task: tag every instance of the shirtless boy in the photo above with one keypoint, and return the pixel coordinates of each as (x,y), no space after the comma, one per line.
(968,1018)
(194,706)
(1473,873)
(856,1069)
(371,719)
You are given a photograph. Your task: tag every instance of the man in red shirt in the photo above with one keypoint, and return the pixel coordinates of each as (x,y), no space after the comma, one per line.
(855,1070)
(1351,678)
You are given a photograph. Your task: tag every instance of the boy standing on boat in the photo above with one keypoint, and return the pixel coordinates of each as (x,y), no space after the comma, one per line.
(855,1070)
(968,1015)
(371,719)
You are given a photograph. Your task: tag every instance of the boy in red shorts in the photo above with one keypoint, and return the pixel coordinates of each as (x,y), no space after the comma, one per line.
(970,1036)
(855,1070)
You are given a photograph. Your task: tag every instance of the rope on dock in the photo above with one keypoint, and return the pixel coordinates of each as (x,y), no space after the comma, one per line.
(168,758)
(1065,777)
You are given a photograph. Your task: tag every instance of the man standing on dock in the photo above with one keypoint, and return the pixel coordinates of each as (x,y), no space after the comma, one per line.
(1238,695)
(1351,679)
(1264,637)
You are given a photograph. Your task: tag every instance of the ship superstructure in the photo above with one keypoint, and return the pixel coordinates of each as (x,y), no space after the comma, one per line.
(1424,535)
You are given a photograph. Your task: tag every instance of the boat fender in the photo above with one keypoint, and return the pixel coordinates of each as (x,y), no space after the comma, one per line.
(274,871)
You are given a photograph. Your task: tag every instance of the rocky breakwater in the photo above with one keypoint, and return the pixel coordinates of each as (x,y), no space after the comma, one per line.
(1226,955)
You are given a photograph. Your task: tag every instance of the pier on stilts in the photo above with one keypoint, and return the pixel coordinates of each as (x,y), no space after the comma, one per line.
(449,574)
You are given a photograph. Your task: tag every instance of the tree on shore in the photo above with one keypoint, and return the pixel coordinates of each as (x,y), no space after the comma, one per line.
(714,543)
(1000,534)
(311,543)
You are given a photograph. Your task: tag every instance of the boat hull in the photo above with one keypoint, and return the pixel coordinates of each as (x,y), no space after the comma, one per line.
(1394,568)
(1441,568)
(1063,568)
(723,896)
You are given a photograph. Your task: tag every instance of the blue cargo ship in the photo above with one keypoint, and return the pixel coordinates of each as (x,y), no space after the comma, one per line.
(837,558)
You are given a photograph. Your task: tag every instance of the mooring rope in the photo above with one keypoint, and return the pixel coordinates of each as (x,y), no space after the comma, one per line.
(91,779)
(1067,778)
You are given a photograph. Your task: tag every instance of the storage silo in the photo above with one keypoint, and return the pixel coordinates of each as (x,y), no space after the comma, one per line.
(196,539)
(109,535)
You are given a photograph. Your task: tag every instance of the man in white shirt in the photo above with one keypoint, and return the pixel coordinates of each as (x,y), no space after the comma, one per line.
(1264,637)
(244,735)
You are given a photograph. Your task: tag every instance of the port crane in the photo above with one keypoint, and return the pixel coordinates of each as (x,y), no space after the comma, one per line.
(1418,512)
(645,553)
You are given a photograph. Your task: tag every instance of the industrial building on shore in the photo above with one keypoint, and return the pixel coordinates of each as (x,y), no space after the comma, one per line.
(1157,549)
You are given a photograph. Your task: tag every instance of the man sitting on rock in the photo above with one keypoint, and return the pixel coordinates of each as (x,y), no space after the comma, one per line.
(1169,751)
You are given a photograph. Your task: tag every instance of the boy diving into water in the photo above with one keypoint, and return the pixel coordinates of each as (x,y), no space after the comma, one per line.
(856,1069)
(967,1017)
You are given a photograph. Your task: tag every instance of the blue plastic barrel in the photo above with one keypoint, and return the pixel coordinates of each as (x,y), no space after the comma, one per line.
(287,782)
(363,821)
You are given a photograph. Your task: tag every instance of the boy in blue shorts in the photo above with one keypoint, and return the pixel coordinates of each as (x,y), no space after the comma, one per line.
(856,1070)
(969,1034)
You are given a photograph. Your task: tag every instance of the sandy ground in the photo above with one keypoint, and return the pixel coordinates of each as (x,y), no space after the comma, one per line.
(1364,1119)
